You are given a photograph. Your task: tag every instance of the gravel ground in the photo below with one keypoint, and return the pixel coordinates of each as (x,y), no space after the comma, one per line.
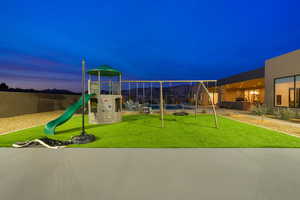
(279,125)
(26,121)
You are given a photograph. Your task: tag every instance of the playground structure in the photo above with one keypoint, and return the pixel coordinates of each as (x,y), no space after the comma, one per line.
(104,107)
(105,97)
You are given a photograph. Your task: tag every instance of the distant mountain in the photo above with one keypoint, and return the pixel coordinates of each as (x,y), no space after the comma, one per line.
(47,91)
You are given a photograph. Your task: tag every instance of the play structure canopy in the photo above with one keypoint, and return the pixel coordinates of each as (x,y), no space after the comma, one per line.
(105,70)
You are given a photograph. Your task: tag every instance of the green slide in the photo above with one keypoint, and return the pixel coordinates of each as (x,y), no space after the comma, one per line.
(50,126)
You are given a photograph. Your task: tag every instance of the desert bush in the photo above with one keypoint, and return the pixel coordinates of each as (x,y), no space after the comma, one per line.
(271,111)
(285,114)
(276,112)
(297,114)
(259,110)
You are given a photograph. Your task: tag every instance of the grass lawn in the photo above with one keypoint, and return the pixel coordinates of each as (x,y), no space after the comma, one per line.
(179,131)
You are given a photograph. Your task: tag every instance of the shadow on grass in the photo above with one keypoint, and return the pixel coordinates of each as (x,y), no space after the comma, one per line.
(168,118)
(129,118)
(141,120)
(78,129)
(196,123)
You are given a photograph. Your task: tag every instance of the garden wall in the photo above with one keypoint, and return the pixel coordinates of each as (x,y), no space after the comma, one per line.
(19,103)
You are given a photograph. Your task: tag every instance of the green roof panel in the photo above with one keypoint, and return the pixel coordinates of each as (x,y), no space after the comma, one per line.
(105,70)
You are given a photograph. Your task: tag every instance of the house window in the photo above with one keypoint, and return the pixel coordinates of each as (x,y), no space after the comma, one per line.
(285,91)
(214,97)
(291,97)
(297,94)
(252,95)
(278,99)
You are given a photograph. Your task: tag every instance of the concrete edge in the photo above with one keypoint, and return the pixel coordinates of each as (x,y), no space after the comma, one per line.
(155,149)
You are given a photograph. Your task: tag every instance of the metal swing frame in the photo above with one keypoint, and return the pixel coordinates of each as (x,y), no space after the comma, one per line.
(201,83)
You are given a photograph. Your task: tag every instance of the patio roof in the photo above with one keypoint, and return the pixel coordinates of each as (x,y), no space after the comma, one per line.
(245,76)
(248,84)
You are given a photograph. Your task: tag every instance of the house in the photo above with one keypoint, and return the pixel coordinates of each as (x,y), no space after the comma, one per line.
(277,84)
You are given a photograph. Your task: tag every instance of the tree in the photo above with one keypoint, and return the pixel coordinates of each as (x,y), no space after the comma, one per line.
(3,86)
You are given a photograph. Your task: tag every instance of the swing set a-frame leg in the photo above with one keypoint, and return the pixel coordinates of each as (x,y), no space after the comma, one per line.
(213,106)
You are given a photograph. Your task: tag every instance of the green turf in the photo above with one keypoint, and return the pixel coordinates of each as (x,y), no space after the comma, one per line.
(145,131)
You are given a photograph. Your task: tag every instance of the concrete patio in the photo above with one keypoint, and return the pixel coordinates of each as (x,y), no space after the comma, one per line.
(149,174)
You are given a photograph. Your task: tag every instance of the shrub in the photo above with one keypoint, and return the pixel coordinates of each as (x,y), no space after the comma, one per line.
(271,111)
(297,114)
(276,112)
(3,86)
(286,114)
(259,110)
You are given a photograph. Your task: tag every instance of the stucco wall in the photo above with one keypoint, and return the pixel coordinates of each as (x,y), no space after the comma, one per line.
(285,65)
(18,103)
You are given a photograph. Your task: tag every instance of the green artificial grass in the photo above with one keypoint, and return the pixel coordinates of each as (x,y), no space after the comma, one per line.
(180,131)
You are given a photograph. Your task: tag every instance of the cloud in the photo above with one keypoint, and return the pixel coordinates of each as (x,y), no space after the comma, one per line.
(17,60)
(40,81)
(29,71)
(43,77)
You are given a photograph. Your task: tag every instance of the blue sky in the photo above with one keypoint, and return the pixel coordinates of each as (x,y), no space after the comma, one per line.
(42,42)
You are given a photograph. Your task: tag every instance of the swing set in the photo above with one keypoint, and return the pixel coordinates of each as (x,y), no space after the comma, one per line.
(137,90)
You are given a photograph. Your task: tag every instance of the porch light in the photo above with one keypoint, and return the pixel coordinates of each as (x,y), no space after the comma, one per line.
(254,92)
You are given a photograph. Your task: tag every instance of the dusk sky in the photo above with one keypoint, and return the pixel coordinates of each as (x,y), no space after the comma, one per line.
(42,42)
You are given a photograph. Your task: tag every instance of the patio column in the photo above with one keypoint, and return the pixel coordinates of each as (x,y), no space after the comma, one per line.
(99,82)
(120,89)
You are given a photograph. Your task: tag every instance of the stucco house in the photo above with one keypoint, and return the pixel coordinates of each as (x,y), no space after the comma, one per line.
(277,84)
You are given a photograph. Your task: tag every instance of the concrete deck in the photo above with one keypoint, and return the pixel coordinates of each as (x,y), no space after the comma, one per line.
(154,174)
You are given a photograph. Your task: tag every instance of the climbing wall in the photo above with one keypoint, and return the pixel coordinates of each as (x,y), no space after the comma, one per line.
(108,110)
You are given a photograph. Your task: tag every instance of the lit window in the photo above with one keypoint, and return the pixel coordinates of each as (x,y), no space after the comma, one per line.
(297,95)
(284,92)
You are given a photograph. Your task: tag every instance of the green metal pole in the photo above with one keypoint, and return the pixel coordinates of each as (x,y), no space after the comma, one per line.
(83,138)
